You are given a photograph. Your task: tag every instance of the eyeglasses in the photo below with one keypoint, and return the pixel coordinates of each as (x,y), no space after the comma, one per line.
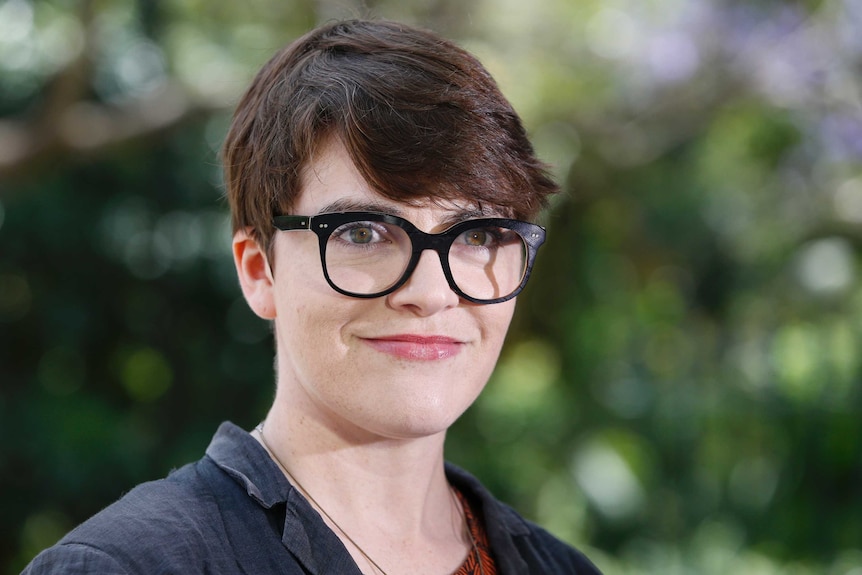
(368,255)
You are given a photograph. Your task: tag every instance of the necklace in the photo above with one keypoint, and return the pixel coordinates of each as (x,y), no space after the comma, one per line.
(473,548)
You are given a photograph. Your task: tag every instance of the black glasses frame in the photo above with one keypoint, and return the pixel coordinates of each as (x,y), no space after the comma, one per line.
(324,224)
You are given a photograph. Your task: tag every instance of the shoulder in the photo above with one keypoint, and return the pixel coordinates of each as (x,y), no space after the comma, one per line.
(545,553)
(162,526)
(519,545)
(74,559)
(162,510)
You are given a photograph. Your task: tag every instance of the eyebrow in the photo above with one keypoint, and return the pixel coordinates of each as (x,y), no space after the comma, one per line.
(350,205)
(453,217)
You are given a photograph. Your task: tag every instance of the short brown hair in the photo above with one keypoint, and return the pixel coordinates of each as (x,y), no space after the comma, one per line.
(420,117)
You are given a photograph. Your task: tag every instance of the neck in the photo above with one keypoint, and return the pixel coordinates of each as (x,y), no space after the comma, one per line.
(397,485)
(379,528)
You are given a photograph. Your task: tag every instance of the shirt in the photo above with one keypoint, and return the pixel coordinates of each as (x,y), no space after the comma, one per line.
(234,512)
(479,560)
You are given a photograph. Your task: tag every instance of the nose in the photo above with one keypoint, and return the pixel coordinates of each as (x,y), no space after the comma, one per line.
(426,291)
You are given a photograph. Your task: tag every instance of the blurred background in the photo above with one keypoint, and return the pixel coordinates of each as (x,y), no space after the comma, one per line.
(680,391)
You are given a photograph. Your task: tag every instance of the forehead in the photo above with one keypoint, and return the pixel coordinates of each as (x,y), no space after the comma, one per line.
(332,183)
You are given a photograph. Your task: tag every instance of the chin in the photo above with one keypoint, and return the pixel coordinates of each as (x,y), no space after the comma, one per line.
(424,421)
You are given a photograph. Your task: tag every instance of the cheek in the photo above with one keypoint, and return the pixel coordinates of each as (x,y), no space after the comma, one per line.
(495,320)
(309,326)
(297,316)
(494,324)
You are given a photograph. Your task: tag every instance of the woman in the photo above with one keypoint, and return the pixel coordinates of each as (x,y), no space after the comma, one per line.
(380,188)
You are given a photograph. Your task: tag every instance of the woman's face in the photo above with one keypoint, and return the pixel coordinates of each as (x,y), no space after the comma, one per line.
(403,365)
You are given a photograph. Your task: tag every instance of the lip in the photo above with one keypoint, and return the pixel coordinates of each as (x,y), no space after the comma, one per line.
(416,347)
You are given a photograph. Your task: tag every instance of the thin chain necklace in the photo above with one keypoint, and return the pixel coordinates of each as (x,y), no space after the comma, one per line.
(473,548)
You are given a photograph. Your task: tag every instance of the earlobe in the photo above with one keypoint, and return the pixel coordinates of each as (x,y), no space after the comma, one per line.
(255,277)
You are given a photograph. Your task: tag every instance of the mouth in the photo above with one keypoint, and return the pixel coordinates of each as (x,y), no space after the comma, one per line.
(417,347)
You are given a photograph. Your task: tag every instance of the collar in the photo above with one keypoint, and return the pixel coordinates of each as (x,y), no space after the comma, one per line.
(238,454)
(305,535)
(245,460)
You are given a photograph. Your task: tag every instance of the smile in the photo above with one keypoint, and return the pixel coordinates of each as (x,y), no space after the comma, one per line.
(417,347)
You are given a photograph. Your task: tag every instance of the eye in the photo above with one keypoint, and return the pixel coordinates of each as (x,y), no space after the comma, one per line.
(360,235)
(476,238)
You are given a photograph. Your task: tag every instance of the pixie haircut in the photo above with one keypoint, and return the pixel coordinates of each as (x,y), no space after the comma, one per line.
(420,117)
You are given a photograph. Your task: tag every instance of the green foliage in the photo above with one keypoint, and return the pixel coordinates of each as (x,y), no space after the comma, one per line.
(680,390)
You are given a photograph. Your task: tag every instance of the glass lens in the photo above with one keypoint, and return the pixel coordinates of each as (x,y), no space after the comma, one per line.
(367,257)
(488,262)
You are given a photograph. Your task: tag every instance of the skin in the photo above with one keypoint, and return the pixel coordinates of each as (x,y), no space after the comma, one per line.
(366,388)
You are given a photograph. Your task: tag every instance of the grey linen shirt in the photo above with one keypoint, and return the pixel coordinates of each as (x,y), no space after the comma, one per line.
(234,512)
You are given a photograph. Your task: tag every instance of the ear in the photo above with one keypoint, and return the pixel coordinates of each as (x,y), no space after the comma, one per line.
(255,275)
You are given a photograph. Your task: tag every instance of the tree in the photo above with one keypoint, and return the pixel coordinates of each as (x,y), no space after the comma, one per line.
(680,389)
